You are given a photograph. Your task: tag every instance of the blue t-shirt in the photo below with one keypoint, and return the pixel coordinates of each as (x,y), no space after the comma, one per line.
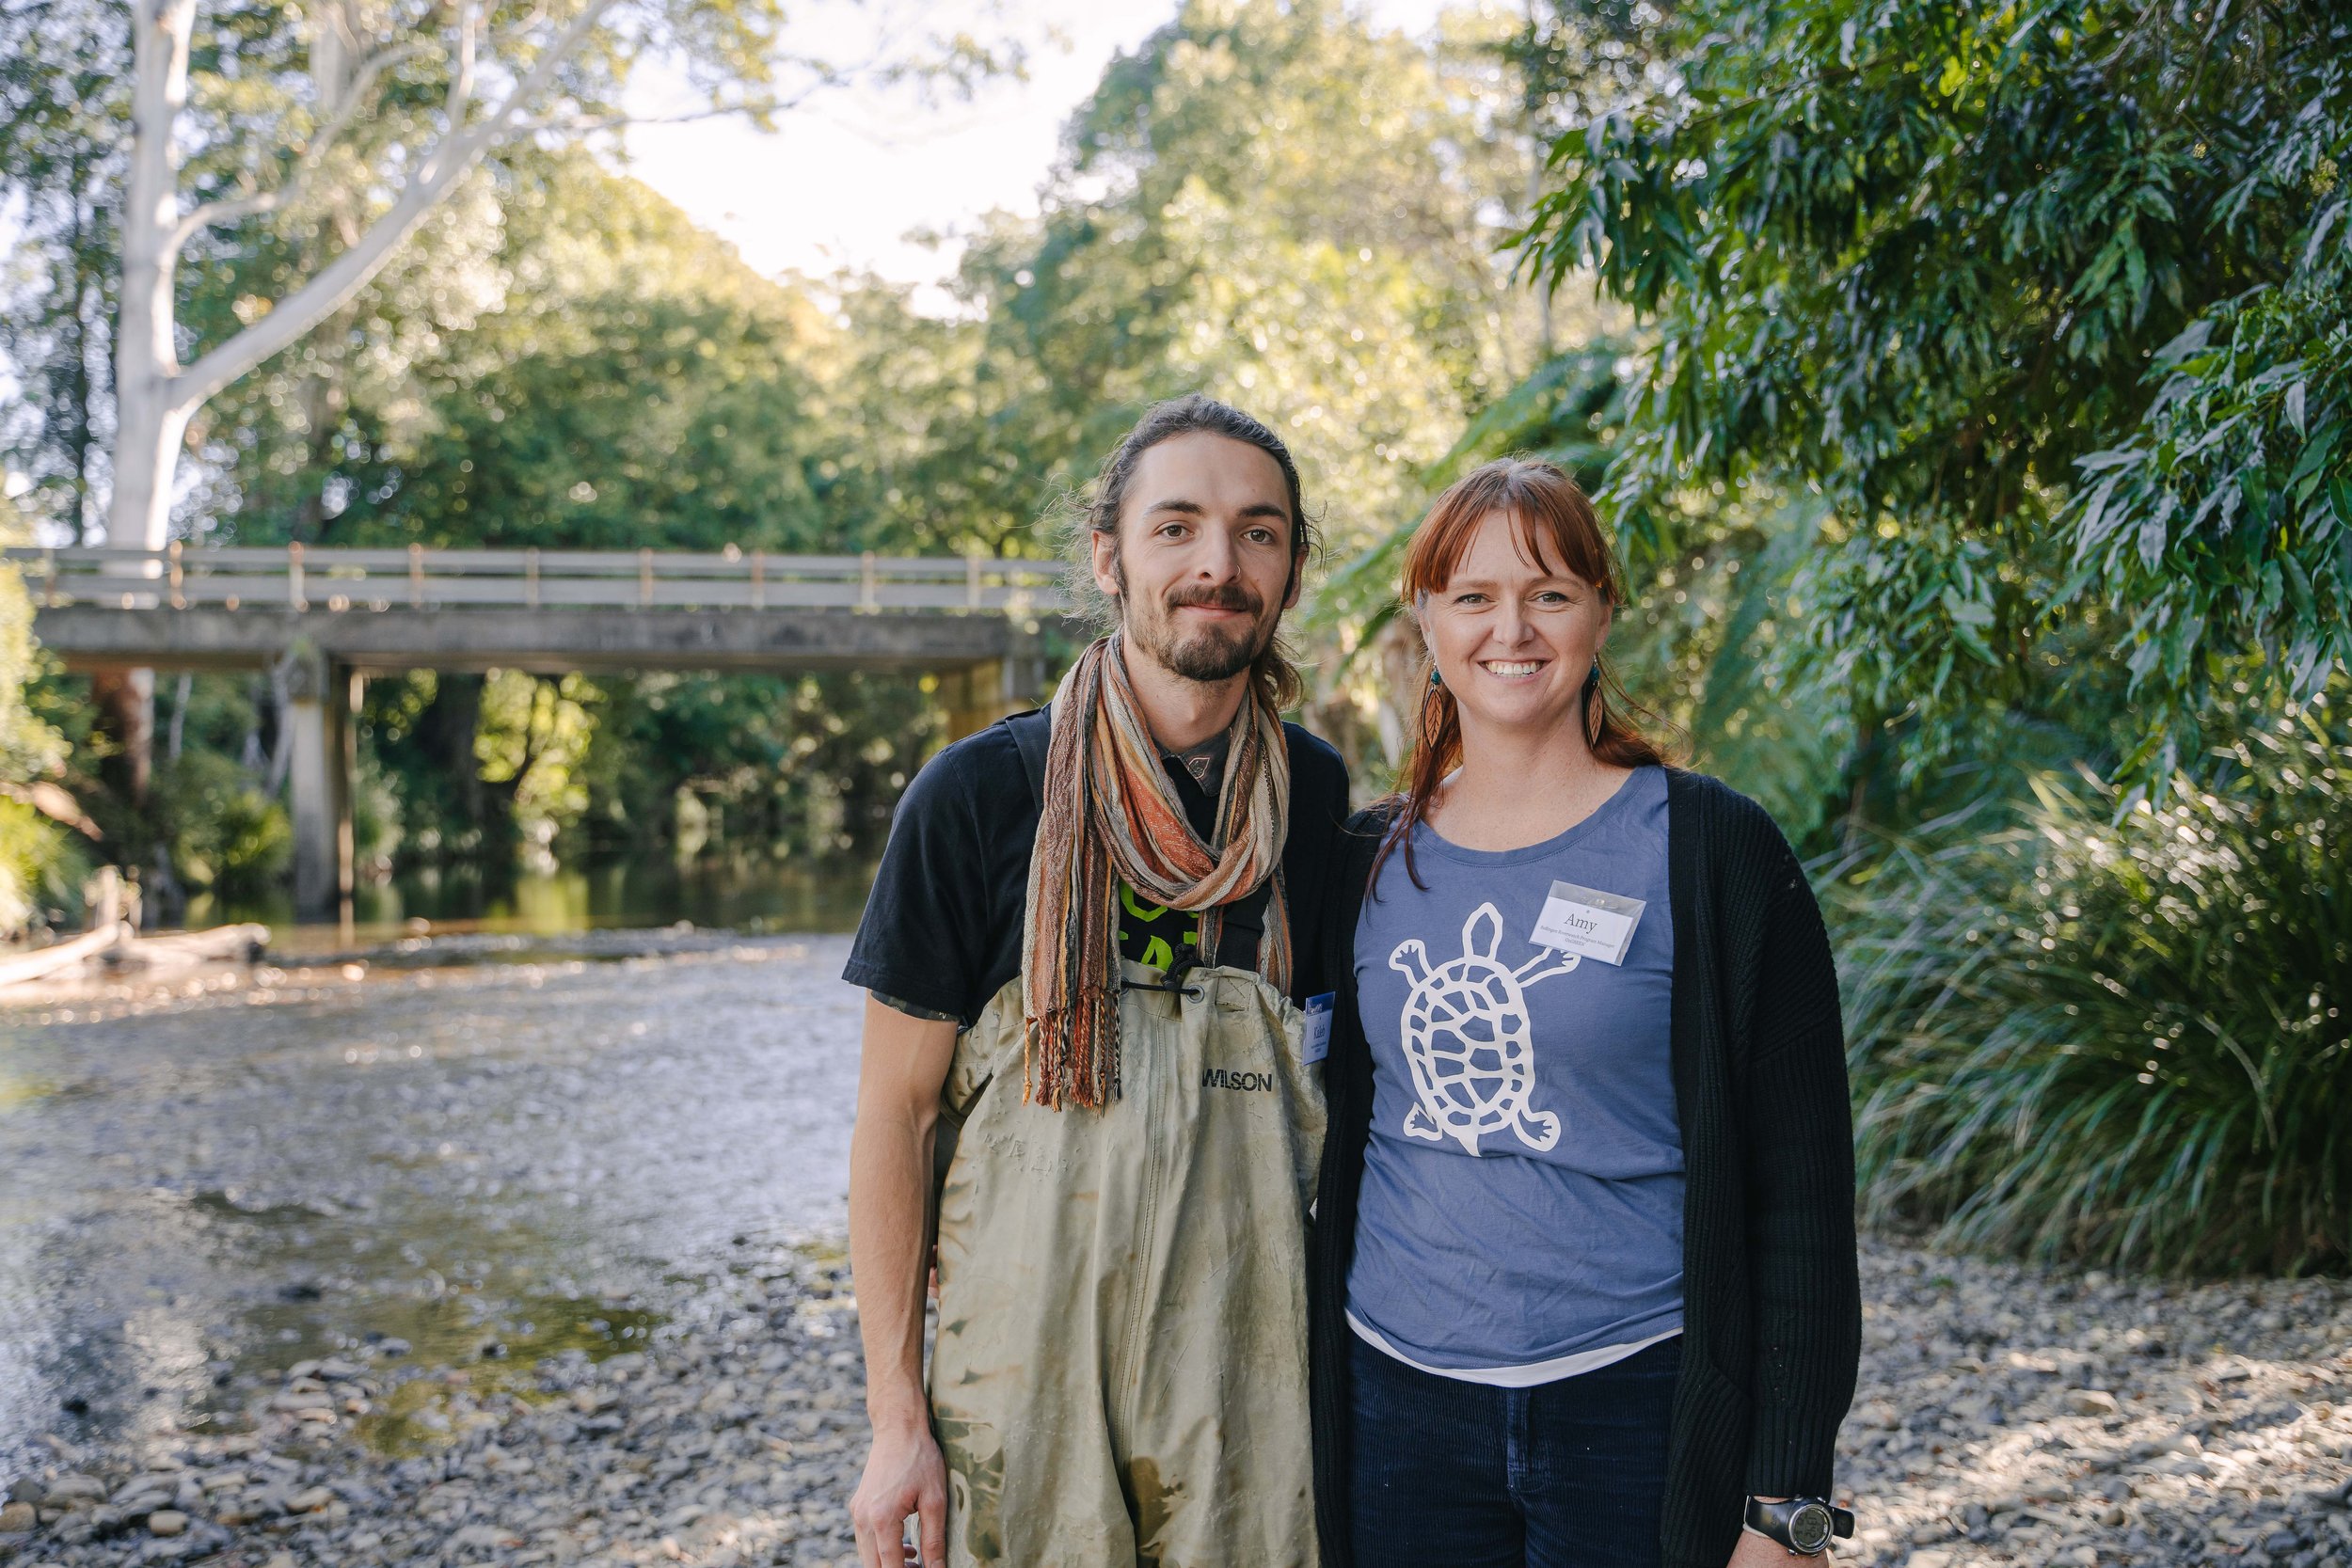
(1522,1193)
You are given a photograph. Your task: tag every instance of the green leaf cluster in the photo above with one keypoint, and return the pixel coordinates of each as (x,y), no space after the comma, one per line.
(1924,259)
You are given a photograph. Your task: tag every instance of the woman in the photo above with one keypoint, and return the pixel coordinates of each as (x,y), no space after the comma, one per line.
(1583,1270)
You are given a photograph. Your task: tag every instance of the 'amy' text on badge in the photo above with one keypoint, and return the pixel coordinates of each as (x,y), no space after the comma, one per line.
(1587,922)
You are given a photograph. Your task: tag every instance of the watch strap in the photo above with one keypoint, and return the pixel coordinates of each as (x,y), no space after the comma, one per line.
(1773,1519)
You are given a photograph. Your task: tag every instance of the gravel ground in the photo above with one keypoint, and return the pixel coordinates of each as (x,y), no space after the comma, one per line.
(2005,1417)
(735,1439)
(2012,1416)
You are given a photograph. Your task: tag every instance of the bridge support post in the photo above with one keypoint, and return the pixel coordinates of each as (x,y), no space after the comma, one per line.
(974,698)
(978,695)
(322,751)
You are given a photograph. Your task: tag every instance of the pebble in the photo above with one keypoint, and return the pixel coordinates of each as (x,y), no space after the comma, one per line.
(733,1439)
(2007,1415)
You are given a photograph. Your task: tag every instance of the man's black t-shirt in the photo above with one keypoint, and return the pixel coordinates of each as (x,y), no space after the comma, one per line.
(942,927)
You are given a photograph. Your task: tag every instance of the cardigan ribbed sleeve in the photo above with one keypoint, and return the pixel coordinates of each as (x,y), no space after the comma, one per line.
(1798,1138)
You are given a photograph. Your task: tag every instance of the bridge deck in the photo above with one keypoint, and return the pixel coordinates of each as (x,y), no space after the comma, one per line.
(88,636)
(383,611)
(332,613)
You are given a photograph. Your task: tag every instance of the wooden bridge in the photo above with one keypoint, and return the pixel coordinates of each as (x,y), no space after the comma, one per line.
(333,617)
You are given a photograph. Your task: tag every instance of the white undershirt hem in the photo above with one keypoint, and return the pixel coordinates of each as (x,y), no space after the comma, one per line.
(1528,1376)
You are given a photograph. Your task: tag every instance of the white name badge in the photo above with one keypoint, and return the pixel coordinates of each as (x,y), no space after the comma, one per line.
(1587,922)
(1318,1037)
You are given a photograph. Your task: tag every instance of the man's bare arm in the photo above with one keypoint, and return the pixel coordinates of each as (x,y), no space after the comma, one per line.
(902,1068)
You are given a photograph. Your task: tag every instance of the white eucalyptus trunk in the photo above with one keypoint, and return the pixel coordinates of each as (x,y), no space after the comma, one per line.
(151,421)
(158,397)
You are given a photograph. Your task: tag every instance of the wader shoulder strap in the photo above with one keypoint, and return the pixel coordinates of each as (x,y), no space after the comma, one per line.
(1031,732)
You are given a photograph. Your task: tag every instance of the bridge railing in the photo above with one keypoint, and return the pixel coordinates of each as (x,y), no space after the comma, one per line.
(299,578)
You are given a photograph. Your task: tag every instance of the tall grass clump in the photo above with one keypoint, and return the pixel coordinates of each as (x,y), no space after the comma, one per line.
(2116,1033)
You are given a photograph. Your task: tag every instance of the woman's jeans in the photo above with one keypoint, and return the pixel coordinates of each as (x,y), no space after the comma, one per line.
(1559,1476)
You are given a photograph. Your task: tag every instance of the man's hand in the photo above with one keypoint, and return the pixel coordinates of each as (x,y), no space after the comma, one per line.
(904,1475)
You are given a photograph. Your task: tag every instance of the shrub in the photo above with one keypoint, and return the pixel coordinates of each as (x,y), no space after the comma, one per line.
(41,868)
(226,834)
(2119,1035)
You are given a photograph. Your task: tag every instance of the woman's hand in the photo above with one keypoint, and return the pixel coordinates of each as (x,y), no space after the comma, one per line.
(1763,1551)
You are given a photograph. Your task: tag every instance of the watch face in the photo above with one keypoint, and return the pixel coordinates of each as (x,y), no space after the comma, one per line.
(1809,1529)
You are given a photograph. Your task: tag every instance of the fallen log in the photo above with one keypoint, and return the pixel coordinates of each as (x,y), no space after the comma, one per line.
(64,955)
(239,943)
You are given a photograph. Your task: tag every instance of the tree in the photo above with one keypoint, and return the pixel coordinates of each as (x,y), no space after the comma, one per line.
(356,122)
(636,385)
(1277,204)
(2046,306)
(501,74)
(62,69)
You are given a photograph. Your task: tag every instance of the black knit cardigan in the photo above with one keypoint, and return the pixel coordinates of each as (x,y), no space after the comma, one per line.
(1772,1315)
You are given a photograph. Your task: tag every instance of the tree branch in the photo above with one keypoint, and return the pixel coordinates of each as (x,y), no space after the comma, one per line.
(454,156)
(461,78)
(615,123)
(313,151)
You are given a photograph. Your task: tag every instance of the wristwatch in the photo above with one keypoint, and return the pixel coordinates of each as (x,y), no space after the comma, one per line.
(1803,1525)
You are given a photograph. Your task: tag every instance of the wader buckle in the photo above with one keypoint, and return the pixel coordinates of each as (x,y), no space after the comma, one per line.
(1187,960)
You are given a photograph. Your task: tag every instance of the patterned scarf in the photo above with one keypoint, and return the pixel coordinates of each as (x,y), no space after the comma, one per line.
(1111,814)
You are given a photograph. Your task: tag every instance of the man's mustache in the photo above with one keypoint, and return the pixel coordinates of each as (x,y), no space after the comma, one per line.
(1232,595)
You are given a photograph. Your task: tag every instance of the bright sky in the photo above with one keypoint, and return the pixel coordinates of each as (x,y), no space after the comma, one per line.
(843,184)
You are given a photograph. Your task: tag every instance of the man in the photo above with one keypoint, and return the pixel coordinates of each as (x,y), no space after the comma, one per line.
(1087,950)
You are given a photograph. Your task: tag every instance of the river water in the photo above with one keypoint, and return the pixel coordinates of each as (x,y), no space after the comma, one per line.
(492,1143)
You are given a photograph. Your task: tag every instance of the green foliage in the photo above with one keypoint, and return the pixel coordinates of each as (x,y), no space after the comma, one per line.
(1922,257)
(63,86)
(811,765)
(2232,505)
(421,739)
(42,866)
(1258,204)
(29,746)
(224,835)
(679,425)
(2118,1032)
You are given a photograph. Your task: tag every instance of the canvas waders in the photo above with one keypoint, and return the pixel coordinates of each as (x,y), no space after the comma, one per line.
(1120,1369)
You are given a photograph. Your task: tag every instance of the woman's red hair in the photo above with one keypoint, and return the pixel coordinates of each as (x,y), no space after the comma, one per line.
(1557,527)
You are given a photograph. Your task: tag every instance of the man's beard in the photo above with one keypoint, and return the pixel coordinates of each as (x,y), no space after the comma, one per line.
(1211,654)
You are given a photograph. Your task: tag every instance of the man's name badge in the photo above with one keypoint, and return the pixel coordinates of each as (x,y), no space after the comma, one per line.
(1318,1036)
(1587,922)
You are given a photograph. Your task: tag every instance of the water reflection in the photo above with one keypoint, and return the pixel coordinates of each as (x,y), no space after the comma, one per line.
(739,894)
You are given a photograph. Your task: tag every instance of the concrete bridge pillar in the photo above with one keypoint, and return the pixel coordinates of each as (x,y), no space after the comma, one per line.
(974,698)
(978,695)
(322,755)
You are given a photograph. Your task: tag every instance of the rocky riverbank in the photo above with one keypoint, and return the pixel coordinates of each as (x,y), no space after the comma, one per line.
(2004,1416)
(733,1440)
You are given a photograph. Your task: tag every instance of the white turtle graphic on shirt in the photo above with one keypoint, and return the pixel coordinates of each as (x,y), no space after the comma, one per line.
(1466,1039)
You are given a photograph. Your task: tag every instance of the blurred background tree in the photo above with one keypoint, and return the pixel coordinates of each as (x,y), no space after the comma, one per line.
(2024,300)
